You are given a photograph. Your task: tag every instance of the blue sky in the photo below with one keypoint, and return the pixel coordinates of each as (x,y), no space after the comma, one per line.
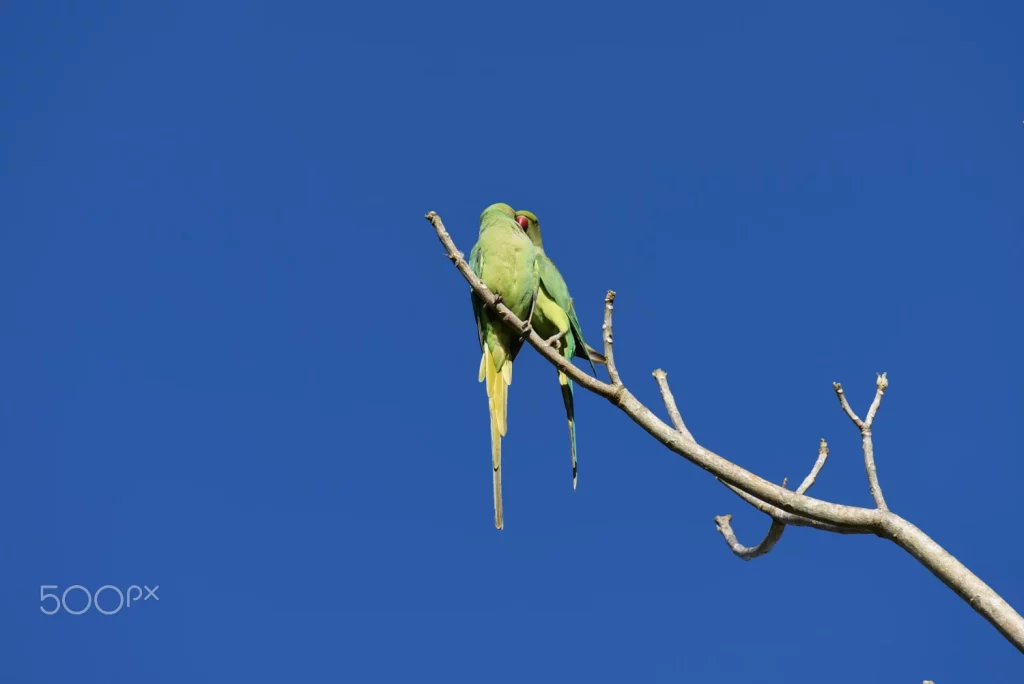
(237,365)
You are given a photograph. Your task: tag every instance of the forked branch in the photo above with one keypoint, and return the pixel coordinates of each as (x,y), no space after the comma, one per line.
(778,525)
(865,433)
(784,506)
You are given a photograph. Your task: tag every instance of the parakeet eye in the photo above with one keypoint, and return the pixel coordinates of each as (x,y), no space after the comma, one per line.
(523,222)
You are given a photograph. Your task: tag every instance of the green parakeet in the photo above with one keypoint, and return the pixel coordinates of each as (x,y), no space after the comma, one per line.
(554,314)
(505,259)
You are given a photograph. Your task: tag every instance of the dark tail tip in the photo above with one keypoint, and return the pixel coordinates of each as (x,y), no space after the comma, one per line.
(596,356)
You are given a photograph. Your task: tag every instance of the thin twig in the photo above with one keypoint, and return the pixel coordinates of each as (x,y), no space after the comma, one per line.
(981,597)
(869,445)
(846,405)
(670,405)
(606,329)
(813,475)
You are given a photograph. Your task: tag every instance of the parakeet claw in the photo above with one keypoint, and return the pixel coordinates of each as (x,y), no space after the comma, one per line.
(556,340)
(497,299)
(525,330)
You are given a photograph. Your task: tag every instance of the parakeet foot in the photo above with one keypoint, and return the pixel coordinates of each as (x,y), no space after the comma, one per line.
(556,340)
(525,331)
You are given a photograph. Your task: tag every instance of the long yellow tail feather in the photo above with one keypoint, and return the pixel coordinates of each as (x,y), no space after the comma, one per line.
(497,402)
(499,511)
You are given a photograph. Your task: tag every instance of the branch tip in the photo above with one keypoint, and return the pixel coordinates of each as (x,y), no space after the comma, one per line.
(723,523)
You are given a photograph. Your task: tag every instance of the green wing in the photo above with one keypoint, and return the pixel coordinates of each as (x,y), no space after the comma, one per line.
(582,349)
(554,284)
(478,305)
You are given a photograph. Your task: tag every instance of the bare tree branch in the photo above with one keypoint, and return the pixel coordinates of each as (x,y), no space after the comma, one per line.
(670,405)
(846,405)
(793,519)
(606,330)
(815,469)
(810,512)
(865,435)
(749,552)
(778,526)
(620,396)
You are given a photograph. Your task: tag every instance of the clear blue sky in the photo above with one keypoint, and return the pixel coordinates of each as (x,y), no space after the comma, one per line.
(236,364)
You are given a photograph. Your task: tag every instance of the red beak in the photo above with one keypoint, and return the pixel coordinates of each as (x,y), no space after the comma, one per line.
(523,222)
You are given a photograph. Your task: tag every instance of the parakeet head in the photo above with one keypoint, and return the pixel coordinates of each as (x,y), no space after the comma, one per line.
(496,210)
(528,222)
